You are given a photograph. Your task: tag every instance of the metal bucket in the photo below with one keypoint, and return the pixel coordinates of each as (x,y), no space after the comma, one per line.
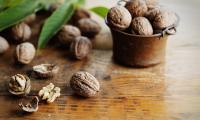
(140,50)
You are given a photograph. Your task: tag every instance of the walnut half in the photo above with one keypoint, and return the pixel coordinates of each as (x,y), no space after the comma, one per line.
(49,93)
(45,70)
(32,106)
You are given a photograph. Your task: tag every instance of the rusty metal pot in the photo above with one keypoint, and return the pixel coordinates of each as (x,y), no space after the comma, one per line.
(140,50)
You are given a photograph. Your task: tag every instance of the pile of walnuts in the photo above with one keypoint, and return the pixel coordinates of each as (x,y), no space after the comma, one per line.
(140,17)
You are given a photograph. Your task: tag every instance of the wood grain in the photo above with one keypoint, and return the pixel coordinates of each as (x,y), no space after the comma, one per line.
(169,91)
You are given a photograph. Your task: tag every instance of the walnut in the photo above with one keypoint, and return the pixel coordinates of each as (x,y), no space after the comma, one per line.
(79,14)
(21,32)
(29,19)
(49,93)
(45,70)
(88,27)
(80,48)
(19,85)
(119,18)
(164,19)
(84,84)
(137,8)
(68,33)
(151,3)
(141,26)
(151,13)
(31,106)
(25,53)
(4,46)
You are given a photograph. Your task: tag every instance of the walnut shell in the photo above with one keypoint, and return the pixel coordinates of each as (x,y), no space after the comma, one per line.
(19,85)
(81,47)
(4,45)
(68,33)
(84,84)
(119,18)
(163,19)
(151,3)
(21,32)
(45,70)
(137,8)
(79,14)
(31,106)
(141,26)
(29,19)
(25,52)
(88,27)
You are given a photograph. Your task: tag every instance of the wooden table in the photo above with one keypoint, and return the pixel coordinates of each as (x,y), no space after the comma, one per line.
(169,91)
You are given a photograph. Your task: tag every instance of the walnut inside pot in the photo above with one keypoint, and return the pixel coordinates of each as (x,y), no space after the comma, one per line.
(19,85)
(84,84)
(141,26)
(21,32)
(25,52)
(89,27)
(32,106)
(4,45)
(137,8)
(163,19)
(80,47)
(45,70)
(49,93)
(119,18)
(68,33)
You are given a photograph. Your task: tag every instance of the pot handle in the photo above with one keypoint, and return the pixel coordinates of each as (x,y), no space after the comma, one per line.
(170,31)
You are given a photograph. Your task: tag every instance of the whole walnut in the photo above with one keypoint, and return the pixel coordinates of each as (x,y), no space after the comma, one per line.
(4,46)
(151,13)
(119,18)
(25,52)
(29,19)
(88,27)
(79,14)
(137,8)
(68,33)
(21,32)
(19,85)
(151,3)
(80,47)
(164,18)
(84,84)
(141,26)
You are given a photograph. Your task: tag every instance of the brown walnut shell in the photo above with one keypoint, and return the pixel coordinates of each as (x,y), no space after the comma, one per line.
(25,52)
(31,106)
(79,14)
(45,70)
(119,18)
(84,84)
(21,32)
(4,45)
(137,8)
(68,34)
(89,27)
(19,85)
(81,47)
(141,26)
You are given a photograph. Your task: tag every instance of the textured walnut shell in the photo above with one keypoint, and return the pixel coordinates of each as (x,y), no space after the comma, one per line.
(4,46)
(80,47)
(151,3)
(119,18)
(31,106)
(163,19)
(45,70)
(137,8)
(21,32)
(25,52)
(151,13)
(141,26)
(19,85)
(84,84)
(79,14)
(68,33)
(88,27)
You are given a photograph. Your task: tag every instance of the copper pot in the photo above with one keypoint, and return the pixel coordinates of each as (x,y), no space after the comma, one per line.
(140,50)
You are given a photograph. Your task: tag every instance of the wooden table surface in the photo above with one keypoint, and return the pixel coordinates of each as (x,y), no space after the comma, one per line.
(169,91)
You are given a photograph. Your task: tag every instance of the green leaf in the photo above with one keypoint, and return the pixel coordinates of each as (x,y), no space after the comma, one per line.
(17,13)
(100,10)
(53,24)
